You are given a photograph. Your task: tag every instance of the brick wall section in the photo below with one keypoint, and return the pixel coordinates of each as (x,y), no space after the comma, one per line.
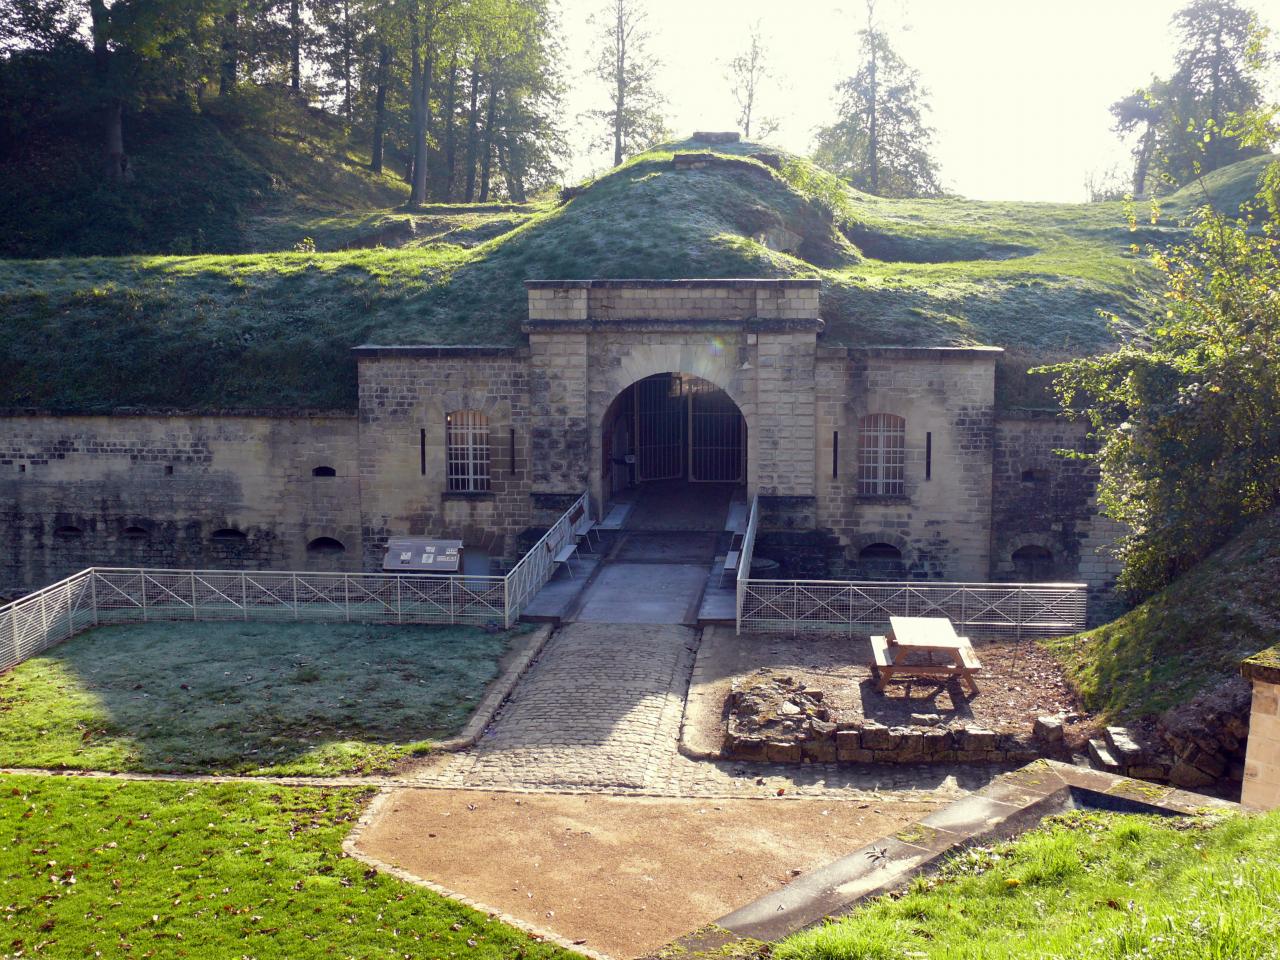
(558,366)
(941,524)
(176,480)
(405,392)
(786,404)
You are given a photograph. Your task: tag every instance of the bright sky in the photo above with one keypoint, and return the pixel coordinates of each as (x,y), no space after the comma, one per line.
(1019,88)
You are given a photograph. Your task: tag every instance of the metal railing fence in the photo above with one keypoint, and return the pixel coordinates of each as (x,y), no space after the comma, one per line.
(110,595)
(746,554)
(527,577)
(978,610)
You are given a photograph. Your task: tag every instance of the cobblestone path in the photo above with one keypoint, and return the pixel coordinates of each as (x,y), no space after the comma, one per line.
(600,712)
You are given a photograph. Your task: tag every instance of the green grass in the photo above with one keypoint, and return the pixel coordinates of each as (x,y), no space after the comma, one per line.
(307,699)
(207,872)
(274,329)
(1085,887)
(1186,639)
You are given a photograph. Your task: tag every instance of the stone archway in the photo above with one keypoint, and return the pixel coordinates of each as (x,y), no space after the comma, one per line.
(674,429)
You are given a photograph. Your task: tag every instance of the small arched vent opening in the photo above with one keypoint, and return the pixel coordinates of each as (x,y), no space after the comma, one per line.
(68,533)
(324,472)
(1031,563)
(881,561)
(325,545)
(135,533)
(229,535)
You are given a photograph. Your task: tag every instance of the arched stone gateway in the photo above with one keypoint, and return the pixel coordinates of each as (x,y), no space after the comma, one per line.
(674,428)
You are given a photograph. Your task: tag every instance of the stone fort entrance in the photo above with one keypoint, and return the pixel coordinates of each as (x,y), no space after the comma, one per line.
(673,447)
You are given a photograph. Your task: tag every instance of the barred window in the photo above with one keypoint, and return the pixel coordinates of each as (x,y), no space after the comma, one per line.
(882,452)
(467,442)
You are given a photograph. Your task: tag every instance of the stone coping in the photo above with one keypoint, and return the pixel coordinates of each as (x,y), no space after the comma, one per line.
(250,413)
(708,325)
(1010,805)
(744,283)
(373,351)
(1263,665)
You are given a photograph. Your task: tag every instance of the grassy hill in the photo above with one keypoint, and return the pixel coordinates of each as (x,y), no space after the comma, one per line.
(1186,639)
(269,329)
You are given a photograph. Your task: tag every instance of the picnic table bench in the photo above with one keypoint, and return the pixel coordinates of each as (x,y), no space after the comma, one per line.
(924,635)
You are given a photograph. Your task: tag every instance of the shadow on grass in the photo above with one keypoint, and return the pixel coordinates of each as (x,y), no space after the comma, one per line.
(245,697)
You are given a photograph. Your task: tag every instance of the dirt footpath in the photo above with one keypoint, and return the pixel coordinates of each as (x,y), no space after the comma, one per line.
(624,874)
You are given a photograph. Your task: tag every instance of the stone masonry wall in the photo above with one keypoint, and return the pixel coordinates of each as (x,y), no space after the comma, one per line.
(152,490)
(942,522)
(405,395)
(1040,498)
(684,300)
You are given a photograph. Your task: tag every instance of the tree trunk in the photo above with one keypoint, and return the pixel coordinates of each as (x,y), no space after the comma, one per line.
(1143,164)
(450,130)
(230,52)
(115,164)
(295,45)
(873,136)
(417,132)
(380,108)
(620,79)
(473,129)
(487,155)
(508,158)
(347,107)
(421,96)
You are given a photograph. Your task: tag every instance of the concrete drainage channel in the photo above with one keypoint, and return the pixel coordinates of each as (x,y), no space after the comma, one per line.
(1010,805)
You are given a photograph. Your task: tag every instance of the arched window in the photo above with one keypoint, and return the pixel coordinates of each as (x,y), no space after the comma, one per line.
(1031,563)
(68,533)
(229,535)
(325,545)
(881,561)
(324,472)
(467,446)
(882,454)
(135,533)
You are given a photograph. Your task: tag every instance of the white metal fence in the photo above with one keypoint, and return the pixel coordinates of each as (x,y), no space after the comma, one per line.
(978,610)
(105,595)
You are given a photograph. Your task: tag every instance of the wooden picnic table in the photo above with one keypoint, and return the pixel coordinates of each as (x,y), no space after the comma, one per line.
(924,635)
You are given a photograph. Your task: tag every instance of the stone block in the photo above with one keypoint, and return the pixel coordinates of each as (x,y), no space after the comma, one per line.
(876,736)
(973,740)
(936,742)
(1184,774)
(749,748)
(1049,729)
(781,752)
(819,751)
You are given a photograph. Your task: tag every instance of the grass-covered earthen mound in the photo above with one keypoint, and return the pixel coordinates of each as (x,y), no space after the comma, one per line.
(274,329)
(1187,639)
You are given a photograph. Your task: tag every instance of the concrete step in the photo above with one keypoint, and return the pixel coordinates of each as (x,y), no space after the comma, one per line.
(1101,757)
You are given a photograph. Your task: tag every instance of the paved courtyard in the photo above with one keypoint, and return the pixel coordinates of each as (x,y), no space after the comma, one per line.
(601,711)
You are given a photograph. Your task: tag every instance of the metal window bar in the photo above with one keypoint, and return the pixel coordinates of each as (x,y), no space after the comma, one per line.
(882,455)
(467,451)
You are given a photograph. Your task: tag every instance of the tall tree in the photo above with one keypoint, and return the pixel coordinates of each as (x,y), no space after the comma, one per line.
(880,142)
(748,72)
(1185,125)
(636,115)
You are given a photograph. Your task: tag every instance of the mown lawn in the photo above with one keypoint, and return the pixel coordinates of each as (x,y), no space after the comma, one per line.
(1085,887)
(246,698)
(96,868)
